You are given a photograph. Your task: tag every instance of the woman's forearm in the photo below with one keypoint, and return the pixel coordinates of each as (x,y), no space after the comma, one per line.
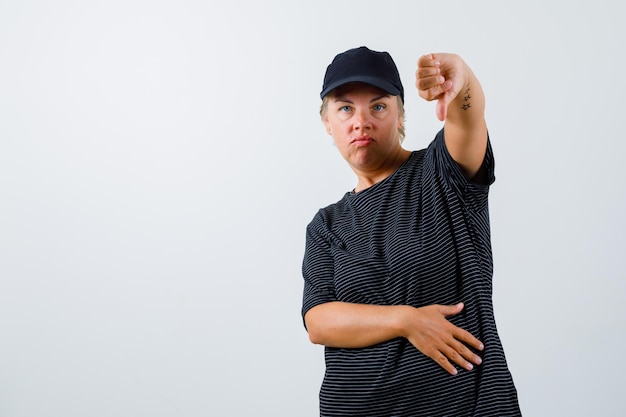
(348,325)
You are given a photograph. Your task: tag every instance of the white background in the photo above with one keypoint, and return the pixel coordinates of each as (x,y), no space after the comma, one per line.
(159,162)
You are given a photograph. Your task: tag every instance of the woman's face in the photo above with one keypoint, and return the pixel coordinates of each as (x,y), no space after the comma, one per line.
(363,121)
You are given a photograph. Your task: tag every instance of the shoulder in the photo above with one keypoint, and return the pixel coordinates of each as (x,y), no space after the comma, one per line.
(445,164)
(325,216)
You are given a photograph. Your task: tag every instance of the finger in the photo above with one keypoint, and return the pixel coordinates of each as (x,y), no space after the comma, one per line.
(437,90)
(464,357)
(468,339)
(451,310)
(427,60)
(441,110)
(444,100)
(443,361)
(455,356)
(430,82)
(430,68)
(427,72)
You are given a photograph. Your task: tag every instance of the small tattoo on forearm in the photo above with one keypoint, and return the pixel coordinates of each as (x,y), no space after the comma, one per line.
(466,99)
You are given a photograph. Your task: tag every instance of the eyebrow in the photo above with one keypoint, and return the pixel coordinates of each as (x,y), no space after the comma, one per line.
(345,100)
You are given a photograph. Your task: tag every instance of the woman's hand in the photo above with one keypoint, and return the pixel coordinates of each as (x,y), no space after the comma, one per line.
(441,77)
(347,325)
(460,103)
(432,334)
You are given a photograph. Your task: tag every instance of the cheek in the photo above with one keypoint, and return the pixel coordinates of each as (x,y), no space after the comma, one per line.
(335,127)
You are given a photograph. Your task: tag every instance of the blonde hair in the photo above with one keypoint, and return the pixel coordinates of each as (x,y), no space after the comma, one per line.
(324,111)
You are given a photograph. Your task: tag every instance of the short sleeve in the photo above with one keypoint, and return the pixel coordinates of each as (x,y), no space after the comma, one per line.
(472,192)
(317,266)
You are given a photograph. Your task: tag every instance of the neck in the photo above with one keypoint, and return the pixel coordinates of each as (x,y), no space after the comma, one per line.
(368,178)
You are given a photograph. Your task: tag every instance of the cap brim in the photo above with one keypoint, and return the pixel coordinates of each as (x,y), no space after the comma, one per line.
(376,82)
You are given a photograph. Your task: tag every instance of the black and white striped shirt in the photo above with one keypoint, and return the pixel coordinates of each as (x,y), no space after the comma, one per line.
(419,237)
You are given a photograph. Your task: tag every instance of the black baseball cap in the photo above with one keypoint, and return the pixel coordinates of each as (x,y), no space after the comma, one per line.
(365,66)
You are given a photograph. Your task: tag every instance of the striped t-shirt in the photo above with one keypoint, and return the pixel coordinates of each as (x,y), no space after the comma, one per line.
(419,237)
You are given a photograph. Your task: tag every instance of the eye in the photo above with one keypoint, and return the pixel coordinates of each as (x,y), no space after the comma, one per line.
(345,109)
(379,107)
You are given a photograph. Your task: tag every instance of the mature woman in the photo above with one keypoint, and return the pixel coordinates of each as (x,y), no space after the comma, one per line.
(397,274)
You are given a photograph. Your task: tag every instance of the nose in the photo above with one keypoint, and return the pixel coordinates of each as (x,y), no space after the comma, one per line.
(362,119)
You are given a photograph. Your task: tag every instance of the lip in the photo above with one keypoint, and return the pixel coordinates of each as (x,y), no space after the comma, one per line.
(362,140)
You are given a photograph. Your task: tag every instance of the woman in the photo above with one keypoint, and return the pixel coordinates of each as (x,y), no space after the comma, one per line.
(397,274)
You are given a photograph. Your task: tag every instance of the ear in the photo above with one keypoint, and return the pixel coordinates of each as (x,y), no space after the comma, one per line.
(329,130)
